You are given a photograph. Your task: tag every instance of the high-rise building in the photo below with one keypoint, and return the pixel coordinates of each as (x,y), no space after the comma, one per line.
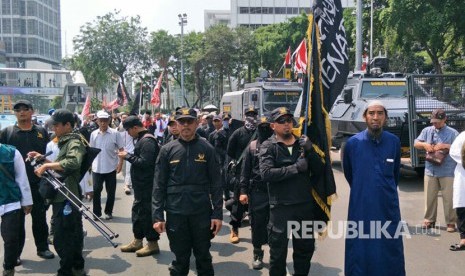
(257,13)
(30,32)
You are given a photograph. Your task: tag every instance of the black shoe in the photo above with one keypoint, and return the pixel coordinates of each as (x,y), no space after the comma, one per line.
(46,254)
(18,262)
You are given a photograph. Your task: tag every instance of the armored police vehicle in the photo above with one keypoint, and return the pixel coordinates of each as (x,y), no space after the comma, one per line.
(265,95)
(409,103)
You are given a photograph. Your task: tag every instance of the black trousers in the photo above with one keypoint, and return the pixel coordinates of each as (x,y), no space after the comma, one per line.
(110,187)
(278,239)
(259,215)
(461,221)
(39,222)
(10,227)
(141,215)
(68,239)
(237,209)
(187,234)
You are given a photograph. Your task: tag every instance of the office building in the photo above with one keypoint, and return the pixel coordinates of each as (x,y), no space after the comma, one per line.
(30,33)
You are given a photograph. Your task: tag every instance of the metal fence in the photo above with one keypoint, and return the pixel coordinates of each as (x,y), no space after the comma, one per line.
(427,93)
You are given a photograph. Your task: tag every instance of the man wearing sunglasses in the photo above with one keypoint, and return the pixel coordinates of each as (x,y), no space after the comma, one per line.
(27,137)
(286,163)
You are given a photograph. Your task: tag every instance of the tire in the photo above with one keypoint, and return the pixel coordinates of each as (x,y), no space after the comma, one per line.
(420,172)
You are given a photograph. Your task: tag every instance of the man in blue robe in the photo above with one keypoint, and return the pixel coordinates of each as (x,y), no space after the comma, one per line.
(371,166)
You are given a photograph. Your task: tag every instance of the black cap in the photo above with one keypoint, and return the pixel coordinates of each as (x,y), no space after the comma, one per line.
(62,116)
(26,103)
(186,113)
(131,121)
(280,111)
(264,120)
(250,110)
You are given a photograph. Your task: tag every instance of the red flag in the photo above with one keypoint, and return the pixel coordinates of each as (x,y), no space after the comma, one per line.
(112,105)
(300,61)
(287,59)
(156,92)
(86,109)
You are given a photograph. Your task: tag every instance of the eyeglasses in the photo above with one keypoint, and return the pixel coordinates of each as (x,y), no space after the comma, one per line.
(21,109)
(283,120)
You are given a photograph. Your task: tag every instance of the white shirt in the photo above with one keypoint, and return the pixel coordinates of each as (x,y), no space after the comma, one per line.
(161,126)
(128,141)
(52,147)
(455,152)
(110,143)
(23,183)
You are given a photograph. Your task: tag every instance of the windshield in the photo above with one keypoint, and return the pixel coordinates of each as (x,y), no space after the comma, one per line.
(7,120)
(275,99)
(384,89)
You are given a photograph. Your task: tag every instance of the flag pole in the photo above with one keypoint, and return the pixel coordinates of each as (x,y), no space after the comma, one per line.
(309,72)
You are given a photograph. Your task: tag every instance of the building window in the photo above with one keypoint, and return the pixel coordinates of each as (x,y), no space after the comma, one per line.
(16,25)
(33,45)
(32,27)
(31,8)
(6,26)
(8,45)
(6,7)
(280,10)
(15,8)
(243,10)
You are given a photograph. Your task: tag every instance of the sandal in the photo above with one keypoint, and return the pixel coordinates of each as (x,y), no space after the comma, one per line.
(457,247)
(428,224)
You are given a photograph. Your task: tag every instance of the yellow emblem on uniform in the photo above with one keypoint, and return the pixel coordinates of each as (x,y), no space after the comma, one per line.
(185,111)
(282,110)
(39,135)
(263,119)
(201,158)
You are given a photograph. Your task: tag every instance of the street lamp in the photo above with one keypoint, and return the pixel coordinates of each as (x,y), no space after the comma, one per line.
(182,23)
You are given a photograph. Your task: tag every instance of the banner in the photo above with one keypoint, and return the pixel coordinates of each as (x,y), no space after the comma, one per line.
(156,92)
(86,108)
(334,56)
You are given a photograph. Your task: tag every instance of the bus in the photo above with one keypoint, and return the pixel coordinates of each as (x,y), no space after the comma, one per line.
(41,86)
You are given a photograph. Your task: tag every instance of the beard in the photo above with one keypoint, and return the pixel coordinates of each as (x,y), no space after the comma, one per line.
(287,135)
(375,133)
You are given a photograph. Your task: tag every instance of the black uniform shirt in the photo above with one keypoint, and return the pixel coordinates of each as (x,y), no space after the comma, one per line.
(25,141)
(187,180)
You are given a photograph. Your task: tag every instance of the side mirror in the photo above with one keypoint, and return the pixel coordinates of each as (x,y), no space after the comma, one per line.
(347,95)
(254,97)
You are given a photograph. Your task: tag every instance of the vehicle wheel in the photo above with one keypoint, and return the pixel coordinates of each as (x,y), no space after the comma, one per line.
(341,154)
(420,172)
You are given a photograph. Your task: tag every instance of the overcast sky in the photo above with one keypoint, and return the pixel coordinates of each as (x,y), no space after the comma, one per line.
(155,14)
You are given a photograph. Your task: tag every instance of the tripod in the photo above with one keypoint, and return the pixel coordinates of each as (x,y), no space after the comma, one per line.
(53,178)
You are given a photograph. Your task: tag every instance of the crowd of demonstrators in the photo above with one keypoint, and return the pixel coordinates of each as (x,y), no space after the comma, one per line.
(171,165)
(439,136)
(27,137)
(371,166)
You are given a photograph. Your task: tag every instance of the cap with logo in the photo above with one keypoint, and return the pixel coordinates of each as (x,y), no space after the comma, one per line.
(264,120)
(226,116)
(186,113)
(103,115)
(250,111)
(25,103)
(62,116)
(438,115)
(171,119)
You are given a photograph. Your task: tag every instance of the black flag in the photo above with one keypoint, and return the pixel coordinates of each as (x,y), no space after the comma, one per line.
(334,56)
(136,104)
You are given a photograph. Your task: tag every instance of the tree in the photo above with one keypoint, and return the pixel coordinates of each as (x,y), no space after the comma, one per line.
(113,43)
(430,25)
(162,47)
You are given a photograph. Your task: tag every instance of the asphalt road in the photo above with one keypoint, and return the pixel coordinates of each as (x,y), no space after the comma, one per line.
(426,253)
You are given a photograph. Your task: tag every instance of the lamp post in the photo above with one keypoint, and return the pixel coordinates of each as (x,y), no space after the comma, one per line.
(182,23)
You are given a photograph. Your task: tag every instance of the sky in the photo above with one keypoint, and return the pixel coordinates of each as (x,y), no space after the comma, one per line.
(155,14)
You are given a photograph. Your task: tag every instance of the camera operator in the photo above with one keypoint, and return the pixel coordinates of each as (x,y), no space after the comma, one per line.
(68,234)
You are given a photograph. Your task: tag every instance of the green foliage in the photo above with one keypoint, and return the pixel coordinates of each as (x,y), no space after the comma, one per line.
(56,102)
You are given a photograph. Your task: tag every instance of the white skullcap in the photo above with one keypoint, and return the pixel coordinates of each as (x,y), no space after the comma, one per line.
(375,103)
